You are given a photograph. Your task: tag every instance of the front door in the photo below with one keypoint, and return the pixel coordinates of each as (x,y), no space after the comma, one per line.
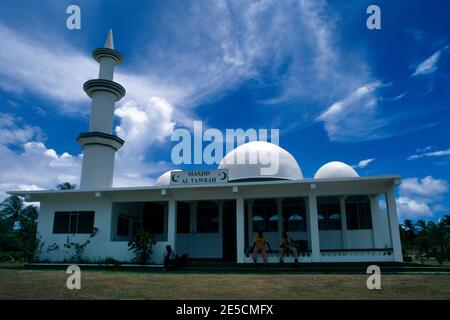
(229,231)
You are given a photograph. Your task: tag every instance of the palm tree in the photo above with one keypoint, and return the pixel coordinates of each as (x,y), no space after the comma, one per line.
(13,210)
(66,186)
(408,232)
(421,224)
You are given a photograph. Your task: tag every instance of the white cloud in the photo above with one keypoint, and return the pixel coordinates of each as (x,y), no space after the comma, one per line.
(11,133)
(420,197)
(364,163)
(143,126)
(35,166)
(429,65)
(437,153)
(354,117)
(425,187)
(410,208)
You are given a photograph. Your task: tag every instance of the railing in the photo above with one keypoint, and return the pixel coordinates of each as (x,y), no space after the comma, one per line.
(331,255)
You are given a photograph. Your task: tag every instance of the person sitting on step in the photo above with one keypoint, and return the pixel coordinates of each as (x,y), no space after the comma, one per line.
(259,246)
(287,244)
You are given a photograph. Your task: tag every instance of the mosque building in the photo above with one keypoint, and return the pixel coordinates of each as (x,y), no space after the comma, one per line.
(337,216)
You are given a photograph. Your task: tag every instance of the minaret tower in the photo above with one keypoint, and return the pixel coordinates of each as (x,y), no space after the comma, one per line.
(99,144)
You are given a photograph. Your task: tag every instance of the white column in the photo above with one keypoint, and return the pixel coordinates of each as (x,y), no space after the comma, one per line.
(376,226)
(343,223)
(313,228)
(172,223)
(393,225)
(240,229)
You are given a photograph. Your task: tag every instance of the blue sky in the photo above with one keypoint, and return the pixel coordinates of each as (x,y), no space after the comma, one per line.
(336,90)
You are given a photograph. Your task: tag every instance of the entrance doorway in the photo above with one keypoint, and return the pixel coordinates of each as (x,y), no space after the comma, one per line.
(229,231)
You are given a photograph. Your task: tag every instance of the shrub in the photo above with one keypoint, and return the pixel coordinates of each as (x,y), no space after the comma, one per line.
(77,248)
(141,245)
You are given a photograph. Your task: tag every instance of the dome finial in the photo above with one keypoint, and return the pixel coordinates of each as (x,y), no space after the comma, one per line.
(109,43)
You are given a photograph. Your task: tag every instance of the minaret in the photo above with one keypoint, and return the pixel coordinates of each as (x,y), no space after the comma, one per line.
(99,144)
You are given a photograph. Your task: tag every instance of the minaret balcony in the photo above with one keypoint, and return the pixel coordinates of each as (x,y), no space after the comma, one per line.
(104,85)
(100,53)
(100,138)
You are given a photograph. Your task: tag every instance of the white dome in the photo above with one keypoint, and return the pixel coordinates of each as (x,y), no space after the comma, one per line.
(335,169)
(164,179)
(260,160)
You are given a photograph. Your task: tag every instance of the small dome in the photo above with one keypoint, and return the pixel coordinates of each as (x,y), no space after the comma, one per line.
(335,170)
(257,160)
(164,179)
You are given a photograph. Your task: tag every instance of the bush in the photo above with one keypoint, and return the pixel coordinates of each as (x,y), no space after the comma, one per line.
(141,245)
(11,256)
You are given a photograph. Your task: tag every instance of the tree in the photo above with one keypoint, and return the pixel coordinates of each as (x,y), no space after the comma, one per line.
(408,233)
(66,186)
(18,227)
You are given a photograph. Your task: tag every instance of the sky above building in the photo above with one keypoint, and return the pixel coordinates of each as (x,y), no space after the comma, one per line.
(375,99)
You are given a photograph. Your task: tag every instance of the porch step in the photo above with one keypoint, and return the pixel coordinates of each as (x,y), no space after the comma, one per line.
(319,268)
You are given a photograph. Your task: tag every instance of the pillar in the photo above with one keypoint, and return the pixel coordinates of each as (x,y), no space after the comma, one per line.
(172,223)
(313,228)
(376,225)
(393,225)
(343,223)
(240,226)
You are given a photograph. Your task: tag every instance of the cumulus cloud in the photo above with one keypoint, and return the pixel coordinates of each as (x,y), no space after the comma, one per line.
(31,165)
(420,197)
(411,208)
(143,126)
(425,187)
(430,64)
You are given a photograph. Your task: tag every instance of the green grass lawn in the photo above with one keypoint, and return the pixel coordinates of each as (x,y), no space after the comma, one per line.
(21,283)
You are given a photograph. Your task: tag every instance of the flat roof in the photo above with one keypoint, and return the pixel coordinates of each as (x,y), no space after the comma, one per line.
(394,178)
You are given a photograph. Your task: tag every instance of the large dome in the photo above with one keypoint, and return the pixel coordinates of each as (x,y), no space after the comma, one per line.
(164,179)
(335,169)
(257,160)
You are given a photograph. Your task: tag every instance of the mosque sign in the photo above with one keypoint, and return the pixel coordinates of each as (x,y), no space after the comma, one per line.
(199,177)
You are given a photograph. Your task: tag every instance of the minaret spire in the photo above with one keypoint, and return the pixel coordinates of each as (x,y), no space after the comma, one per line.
(99,144)
(109,43)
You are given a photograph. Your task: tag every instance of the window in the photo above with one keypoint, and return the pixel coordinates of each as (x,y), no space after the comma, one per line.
(329,213)
(183,217)
(265,215)
(358,213)
(73,222)
(123,225)
(153,218)
(207,217)
(294,216)
(135,227)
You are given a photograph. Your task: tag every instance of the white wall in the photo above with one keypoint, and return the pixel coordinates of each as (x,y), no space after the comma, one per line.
(360,239)
(330,239)
(101,246)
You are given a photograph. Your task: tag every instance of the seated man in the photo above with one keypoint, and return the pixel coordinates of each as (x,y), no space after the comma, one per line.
(170,258)
(259,246)
(287,244)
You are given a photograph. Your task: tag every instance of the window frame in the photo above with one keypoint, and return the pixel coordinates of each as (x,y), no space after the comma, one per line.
(73,227)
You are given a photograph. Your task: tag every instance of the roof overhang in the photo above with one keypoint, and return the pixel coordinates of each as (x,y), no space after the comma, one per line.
(341,186)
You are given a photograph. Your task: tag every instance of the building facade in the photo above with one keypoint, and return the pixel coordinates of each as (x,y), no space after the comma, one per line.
(338,215)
